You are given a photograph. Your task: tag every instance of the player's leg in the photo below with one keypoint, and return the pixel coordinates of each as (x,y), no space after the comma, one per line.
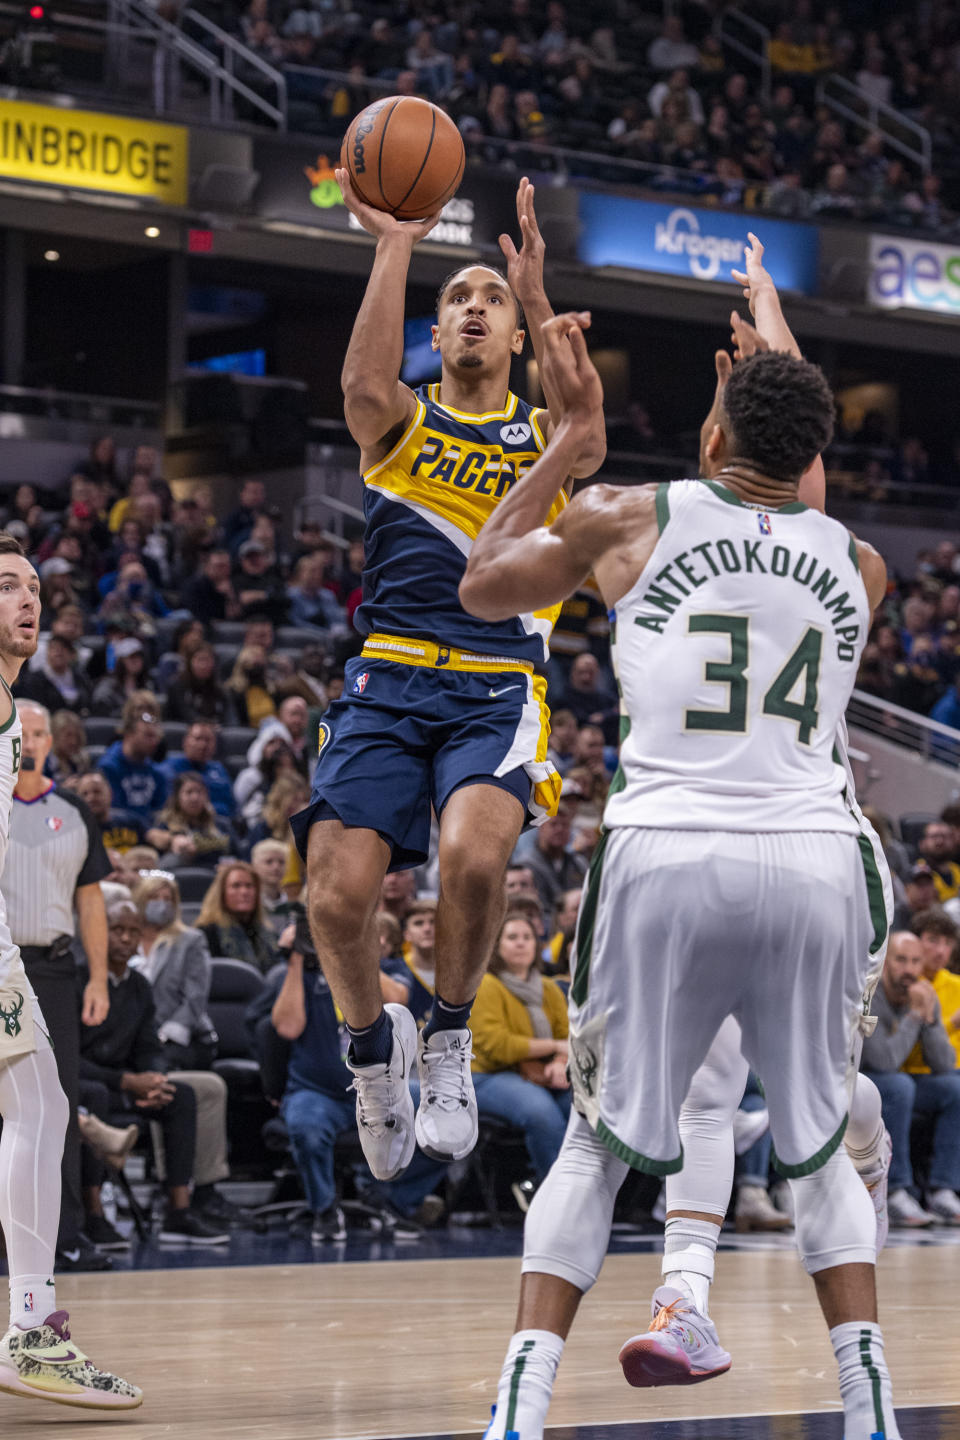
(681,1345)
(632,985)
(345,870)
(369,809)
(479,827)
(797,1024)
(35,1359)
(565,1239)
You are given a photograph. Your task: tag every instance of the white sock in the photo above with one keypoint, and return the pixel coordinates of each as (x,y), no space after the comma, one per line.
(864,1382)
(526,1385)
(689,1258)
(32,1299)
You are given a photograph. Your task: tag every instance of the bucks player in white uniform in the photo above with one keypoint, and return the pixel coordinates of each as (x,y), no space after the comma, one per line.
(37,1357)
(681,1346)
(729,879)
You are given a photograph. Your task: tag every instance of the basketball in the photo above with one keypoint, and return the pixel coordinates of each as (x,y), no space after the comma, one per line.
(405,156)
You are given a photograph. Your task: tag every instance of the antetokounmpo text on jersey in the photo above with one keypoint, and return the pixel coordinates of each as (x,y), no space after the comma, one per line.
(685,574)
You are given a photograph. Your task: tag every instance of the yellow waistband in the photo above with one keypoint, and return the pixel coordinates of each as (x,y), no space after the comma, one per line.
(407,651)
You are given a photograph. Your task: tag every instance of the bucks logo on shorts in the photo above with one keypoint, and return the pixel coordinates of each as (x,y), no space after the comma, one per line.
(11,1017)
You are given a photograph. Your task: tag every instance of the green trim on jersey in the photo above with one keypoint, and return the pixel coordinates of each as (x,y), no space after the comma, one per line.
(588,921)
(816,1162)
(633,1157)
(854,557)
(13,707)
(795,507)
(663,506)
(875,896)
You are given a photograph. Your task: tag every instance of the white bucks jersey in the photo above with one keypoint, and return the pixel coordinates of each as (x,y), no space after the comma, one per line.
(736,652)
(10,742)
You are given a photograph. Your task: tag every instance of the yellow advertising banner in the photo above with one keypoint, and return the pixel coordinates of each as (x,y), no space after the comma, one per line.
(124,155)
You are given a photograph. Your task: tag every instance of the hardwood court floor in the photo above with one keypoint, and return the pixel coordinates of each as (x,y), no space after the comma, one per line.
(340,1352)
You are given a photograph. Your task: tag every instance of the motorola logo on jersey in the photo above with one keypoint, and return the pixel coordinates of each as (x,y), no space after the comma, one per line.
(514,434)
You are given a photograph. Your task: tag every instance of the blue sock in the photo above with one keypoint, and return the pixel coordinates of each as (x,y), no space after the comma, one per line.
(374,1044)
(445,1016)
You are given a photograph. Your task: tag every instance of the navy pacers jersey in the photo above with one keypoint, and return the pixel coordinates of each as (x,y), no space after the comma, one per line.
(424,505)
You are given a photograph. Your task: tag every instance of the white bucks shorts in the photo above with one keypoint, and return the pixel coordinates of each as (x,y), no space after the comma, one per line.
(679,929)
(20,1017)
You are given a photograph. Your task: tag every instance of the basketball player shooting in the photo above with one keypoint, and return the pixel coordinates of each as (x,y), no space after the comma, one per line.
(38,1359)
(741,615)
(440,710)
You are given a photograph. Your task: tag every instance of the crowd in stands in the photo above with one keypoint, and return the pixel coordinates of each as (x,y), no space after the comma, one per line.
(621,82)
(186,659)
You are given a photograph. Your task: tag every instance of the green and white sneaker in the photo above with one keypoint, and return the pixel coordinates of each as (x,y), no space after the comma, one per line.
(43,1363)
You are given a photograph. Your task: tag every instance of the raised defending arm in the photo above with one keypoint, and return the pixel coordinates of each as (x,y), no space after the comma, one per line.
(525,275)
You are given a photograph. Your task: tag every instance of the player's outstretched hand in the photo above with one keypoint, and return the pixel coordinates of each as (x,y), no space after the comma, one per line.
(567,368)
(745,338)
(378,222)
(525,266)
(754,278)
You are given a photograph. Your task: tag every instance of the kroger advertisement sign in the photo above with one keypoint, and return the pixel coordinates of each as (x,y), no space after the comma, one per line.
(698,244)
(914,274)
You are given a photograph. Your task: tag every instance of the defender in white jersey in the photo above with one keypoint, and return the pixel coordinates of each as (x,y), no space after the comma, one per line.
(730,878)
(681,1345)
(38,1359)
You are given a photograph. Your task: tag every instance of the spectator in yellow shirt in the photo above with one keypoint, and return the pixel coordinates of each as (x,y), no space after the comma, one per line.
(938,943)
(519,1026)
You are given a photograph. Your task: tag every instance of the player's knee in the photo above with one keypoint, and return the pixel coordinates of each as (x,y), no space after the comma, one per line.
(472,882)
(337,910)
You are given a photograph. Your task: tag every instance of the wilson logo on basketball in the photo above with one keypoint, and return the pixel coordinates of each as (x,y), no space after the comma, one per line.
(514,434)
(367,122)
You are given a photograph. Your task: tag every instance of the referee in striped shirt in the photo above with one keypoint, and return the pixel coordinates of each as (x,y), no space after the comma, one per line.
(55,862)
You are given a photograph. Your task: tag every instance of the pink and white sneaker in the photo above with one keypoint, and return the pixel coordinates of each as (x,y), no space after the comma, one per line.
(43,1363)
(680,1348)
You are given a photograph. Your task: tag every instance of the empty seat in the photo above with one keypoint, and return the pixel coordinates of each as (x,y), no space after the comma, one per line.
(101,729)
(236,740)
(193,883)
(228,632)
(912,827)
(226,655)
(234,764)
(173,733)
(295,637)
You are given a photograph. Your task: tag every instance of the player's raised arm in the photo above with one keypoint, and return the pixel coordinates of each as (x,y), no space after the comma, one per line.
(775,334)
(375,401)
(525,277)
(516,563)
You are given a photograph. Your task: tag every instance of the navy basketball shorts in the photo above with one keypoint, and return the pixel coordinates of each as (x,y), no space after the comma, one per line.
(404,737)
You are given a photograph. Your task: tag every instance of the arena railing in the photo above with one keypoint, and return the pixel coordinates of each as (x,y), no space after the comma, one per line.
(910,139)
(917,733)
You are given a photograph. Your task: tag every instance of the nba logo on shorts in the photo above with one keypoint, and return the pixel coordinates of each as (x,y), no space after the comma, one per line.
(766,528)
(360,684)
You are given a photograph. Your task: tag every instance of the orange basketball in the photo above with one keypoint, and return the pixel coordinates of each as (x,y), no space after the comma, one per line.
(405,156)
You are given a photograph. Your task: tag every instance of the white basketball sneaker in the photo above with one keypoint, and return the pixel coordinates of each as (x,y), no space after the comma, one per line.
(447,1117)
(680,1348)
(384,1103)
